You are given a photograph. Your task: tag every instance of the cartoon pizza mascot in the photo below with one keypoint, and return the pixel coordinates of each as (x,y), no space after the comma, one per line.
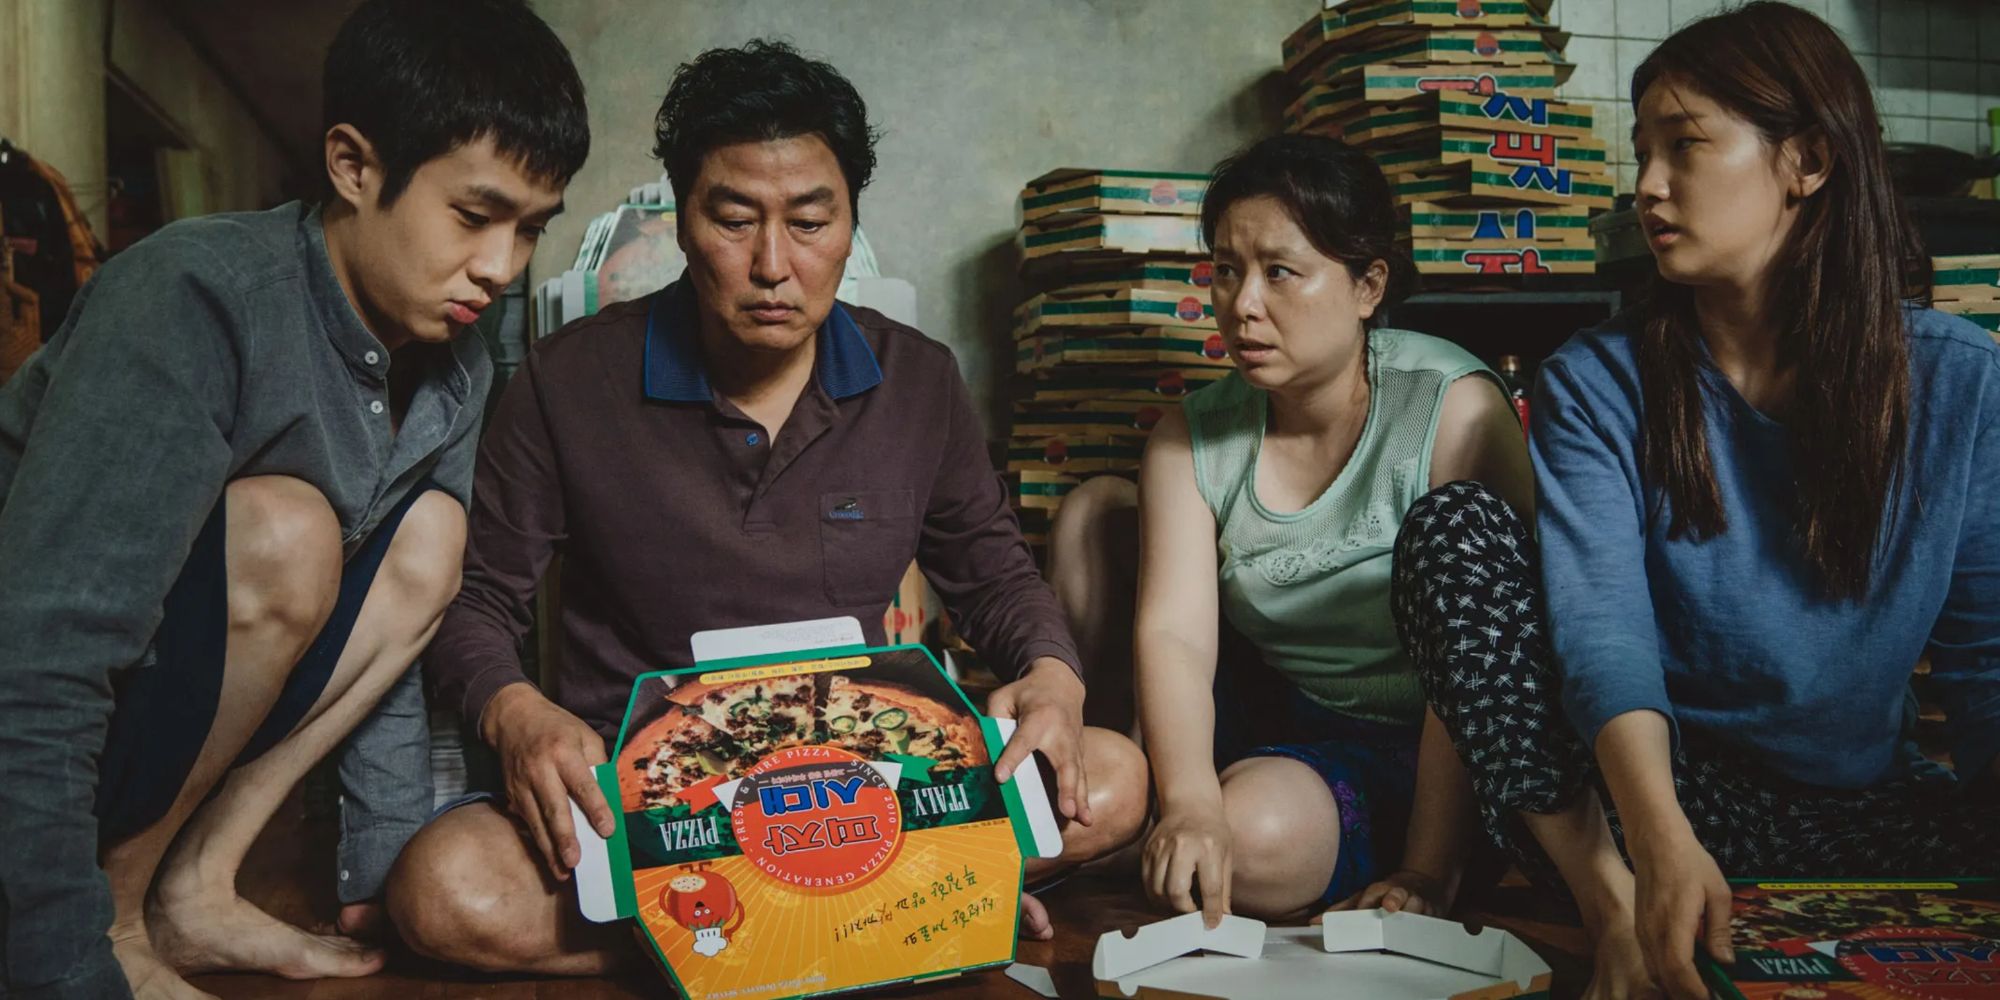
(706,904)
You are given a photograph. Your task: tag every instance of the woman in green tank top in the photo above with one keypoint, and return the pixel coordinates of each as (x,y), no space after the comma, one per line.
(1272,499)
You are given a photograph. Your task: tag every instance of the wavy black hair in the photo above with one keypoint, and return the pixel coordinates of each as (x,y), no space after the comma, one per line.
(420,78)
(762,91)
(1335,193)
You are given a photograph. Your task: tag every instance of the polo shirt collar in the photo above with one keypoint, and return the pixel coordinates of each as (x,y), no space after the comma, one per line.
(350,336)
(676,371)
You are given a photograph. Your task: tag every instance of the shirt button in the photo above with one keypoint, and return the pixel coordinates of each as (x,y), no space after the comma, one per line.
(371,357)
(752,440)
(343,874)
(375,407)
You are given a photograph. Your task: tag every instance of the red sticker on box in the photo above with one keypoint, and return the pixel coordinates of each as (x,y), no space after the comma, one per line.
(1204,274)
(1055,452)
(1470,9)
(1164,193)
(1214,347)
(1189,309)
(817,818)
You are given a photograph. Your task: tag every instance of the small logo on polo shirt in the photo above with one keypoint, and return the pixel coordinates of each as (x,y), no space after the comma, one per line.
(848,509)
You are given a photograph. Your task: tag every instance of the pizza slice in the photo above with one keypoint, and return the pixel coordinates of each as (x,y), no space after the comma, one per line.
(763,715)
(672,753)
(873,718)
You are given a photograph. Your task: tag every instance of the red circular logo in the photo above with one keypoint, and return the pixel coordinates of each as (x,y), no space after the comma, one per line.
(1486,44)
(1470,9)
(1188,309)
(1055,452)
(1147,417)
(1931,963)
(1213,347)
(817,818)
(1164,193)
(1171,384)
(1204,274)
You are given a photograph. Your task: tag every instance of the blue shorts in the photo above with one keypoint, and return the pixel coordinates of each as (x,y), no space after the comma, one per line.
(1369,767)
(163,707)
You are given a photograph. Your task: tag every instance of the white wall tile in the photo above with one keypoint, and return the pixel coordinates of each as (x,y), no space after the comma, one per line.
(1859,22)
(1903,128)
(1622,128)
(1628,178)
(1906,27)
(1955,134)
(1954,86)
(1642,19)
(1902,86)
(1816,6)
(1680,12)
(1596,74)
(1954,30)
(1631,52)
(1589,17)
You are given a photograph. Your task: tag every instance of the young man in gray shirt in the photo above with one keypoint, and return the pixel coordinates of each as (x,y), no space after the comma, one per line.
(232,511)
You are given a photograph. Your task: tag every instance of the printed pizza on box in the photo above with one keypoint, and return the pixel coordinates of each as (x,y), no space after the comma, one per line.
(1894,939)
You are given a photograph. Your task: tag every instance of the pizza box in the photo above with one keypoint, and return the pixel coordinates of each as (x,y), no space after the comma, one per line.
(1186,309)
(1476,258)
(1358,954)
(1353,92)
(1539,223)
(1473,48)
(1332,26)
(1482,183)
(1500,113)
(1975,277)
(1112,416)
(1041,490)
(802,814)
(1438,147)
(1118,192)
(1152,346)
(1138,382)
(1985,313)
(1088,234)
(1853,940)
(1075,454)
(1165,275)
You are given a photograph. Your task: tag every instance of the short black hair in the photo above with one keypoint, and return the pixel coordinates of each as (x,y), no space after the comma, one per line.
(419,78)
(763,91)
(1335,193)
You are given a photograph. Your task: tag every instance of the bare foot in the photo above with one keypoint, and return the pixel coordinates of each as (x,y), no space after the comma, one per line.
(1619,972)
(232,935)
(150,978)
(1035,922)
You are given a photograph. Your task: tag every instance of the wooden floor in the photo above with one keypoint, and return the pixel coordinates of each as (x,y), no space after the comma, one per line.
(287,875)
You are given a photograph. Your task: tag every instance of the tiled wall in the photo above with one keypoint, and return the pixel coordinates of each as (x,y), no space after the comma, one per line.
(1935,63)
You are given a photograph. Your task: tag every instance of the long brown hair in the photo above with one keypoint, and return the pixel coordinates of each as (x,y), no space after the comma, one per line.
(1849,262)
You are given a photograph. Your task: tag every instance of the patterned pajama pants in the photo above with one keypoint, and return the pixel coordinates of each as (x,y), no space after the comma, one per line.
(1468,606)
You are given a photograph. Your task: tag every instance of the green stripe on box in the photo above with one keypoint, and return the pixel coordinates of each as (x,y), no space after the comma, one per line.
(1576,187)
(1469,219)
(1184,275)
(1447,256)
(1384,121)
(1978,276)
(1136,343)
(1044,490)
(1136,306)
(1046,238)
(1103,191)
(1480,147)
(1353,92)
(1505,83)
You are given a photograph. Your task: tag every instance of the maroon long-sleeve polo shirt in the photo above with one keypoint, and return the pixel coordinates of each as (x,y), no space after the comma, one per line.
(675,514)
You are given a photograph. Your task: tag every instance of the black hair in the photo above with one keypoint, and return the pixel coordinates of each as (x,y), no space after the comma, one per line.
(419,78)
(763,91)
(1335,193)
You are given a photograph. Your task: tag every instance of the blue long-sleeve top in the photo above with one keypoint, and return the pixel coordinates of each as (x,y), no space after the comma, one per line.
(1728,637)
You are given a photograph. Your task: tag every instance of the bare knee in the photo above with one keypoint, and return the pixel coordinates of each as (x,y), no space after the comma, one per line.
(456,894)
(284,557)
(424,560)
(1120,786)
(1284,832)
(1091,518)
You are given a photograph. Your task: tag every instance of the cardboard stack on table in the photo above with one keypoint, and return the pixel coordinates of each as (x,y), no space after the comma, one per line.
(1117,328)
(1970,287)
(1456,101)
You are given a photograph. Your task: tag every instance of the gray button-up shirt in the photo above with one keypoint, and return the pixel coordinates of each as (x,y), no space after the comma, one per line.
(215,349)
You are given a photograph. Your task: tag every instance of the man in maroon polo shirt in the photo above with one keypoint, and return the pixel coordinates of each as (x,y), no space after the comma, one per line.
(736,449)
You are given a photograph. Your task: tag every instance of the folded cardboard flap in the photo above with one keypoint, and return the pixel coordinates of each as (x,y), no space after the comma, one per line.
(1118,956)
(1490,952)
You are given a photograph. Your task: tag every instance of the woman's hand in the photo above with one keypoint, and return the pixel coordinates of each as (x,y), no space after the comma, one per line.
(1189,848)
(1404,891)
(1681,897)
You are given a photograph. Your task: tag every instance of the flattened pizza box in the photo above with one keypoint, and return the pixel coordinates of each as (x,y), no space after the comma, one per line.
(1503,114)
(1164,275)
(1972,277)
(1089,235)
(1890,939)
(1138,383)
(1121,192)
(1436,147)
(806,821)
(1107,416)
(1482,184)
(1075,454)
(1485,258)
(1346,97)
(1418,47)
(1187,309)
(1052,347)
(1036,489)
(1330,27)
(1536,223)
(1357,954)
(1986,313)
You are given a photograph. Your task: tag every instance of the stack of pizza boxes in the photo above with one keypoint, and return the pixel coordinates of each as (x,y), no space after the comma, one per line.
(1970,287)
(1117,326)
(1455,99)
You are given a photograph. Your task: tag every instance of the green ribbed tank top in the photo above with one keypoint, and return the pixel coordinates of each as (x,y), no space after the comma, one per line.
(1311,589)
